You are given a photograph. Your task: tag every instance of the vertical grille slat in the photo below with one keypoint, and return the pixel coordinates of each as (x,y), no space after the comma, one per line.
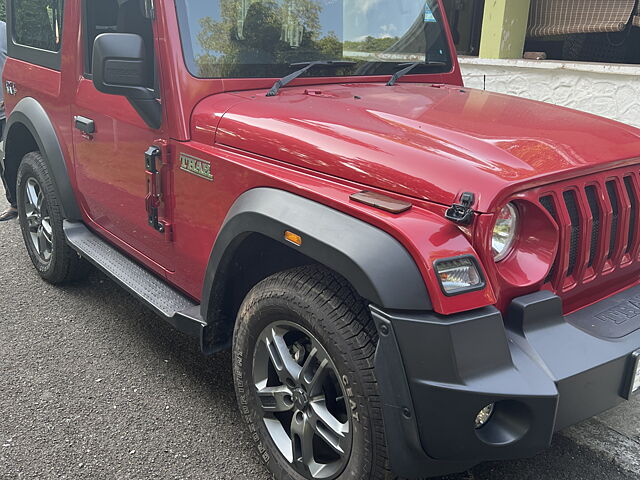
(594,206)
(628,183)
(613,198)
(571,203)
(549,205)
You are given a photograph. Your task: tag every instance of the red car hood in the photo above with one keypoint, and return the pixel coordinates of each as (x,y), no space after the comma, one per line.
(427,141)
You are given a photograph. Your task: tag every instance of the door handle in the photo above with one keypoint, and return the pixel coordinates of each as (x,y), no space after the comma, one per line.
(85,125)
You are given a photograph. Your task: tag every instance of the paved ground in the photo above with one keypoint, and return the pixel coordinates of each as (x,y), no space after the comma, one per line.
(94,386)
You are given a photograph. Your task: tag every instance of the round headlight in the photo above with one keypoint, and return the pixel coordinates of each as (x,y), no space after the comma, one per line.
(504,232)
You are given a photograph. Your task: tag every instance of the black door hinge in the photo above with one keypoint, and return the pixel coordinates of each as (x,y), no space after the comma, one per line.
(462,213)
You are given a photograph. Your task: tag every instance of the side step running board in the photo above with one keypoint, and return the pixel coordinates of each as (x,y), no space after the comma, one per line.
(175,308)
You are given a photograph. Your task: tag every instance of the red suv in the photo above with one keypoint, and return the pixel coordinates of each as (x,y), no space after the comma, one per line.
(414,276)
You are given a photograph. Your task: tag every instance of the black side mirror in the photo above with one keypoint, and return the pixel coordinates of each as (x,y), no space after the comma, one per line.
(120,68)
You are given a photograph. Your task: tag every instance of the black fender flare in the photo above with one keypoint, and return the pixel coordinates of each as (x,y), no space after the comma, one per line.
(30,113)
(380,269)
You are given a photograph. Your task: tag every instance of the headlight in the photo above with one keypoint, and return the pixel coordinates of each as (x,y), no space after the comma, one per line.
(504,232)
(459,275)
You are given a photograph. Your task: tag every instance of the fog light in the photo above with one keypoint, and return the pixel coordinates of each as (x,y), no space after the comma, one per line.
(484,416)
(459,275)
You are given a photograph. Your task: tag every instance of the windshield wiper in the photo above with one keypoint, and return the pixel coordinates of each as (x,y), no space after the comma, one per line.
(401,73)
(307,66)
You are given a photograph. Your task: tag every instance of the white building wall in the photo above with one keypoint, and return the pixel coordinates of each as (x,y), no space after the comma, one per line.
(608,90)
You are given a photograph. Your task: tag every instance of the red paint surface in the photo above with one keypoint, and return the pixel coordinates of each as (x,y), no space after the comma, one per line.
(412,141)
(425,142)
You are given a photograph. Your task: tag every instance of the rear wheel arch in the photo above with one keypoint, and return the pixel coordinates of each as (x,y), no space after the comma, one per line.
(29,129)
(251,246)
(18,142)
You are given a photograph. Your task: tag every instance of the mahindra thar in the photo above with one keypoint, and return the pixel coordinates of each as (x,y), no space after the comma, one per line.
(413,276)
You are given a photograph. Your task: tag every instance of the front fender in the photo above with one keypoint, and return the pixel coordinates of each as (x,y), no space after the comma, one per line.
(377,265)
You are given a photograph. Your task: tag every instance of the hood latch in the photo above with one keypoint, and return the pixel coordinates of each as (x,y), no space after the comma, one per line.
(462,213)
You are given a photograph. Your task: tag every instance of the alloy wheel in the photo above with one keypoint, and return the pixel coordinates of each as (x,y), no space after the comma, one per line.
(303,400)
(38,219)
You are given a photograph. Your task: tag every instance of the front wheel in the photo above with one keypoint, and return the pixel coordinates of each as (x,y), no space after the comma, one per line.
(303,367)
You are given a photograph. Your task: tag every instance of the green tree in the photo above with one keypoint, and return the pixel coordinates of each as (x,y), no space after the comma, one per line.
(331,46)
(252,34)
(3,11)
(371,44)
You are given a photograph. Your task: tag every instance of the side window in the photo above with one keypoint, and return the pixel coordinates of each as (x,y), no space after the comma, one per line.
(118,16)
(38,23)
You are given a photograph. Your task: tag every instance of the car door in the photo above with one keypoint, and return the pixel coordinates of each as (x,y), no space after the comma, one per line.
(110,162)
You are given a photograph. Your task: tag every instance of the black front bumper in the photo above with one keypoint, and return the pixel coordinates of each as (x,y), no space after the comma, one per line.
(542,370)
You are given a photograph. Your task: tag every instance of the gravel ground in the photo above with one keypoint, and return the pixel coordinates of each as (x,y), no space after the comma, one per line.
(95,386)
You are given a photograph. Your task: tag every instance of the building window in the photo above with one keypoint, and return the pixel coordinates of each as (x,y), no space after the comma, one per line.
(465,20)
(572,30)
(585,30)
(38,23)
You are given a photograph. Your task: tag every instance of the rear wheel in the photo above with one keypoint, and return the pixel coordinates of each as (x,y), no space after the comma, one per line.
(303,367)
(41,219)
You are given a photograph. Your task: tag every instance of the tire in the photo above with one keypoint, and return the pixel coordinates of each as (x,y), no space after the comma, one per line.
(40,216)
(312,325)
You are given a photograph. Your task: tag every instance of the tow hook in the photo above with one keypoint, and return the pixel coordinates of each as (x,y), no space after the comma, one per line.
(462,213)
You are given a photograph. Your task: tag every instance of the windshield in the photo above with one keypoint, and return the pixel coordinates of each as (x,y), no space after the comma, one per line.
(262,38)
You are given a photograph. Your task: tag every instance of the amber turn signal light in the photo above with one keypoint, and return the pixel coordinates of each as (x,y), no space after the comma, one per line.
(293,238)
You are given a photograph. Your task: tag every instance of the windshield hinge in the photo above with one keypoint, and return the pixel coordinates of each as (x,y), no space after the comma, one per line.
(462,213)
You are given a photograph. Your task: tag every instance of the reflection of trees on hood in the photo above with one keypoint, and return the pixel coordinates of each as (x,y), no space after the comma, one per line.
(259,32)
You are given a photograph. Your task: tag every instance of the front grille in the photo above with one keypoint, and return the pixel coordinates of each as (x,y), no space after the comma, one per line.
(597,218)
